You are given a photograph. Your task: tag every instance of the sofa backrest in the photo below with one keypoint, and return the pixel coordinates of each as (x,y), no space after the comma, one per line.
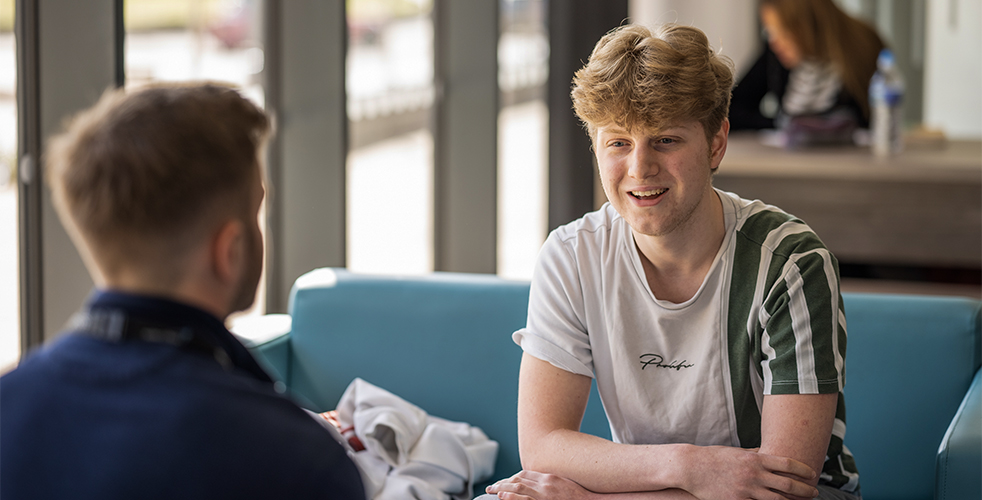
(910,360)
(440,341)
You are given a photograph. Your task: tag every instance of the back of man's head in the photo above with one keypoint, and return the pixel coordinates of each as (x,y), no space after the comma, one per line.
(142,177)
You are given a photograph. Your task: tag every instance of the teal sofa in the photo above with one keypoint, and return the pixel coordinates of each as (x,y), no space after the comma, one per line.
(443,342)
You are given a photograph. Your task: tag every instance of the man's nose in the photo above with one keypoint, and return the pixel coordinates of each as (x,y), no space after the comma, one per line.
(644,163)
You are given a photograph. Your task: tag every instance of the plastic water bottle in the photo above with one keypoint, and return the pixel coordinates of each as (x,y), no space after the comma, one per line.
(886,94)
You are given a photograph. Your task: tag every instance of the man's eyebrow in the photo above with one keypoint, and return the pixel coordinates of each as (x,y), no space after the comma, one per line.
(613,130)
(676,126)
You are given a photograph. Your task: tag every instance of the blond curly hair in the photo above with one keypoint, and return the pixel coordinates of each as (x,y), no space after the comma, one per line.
(638,77)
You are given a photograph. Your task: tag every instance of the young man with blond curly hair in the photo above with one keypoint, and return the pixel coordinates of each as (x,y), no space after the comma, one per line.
(712,325)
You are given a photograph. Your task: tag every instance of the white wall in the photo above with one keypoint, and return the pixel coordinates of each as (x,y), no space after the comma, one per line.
(953,68)
(730,25)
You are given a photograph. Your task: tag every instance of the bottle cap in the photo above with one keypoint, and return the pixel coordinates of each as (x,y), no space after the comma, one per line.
(885,58)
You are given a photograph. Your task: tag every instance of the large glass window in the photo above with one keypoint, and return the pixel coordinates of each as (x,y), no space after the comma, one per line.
(9,280)
(523,66)
(182,40)
(390,163)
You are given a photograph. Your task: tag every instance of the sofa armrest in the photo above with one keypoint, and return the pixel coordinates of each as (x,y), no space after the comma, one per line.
(268,338)
(959,458)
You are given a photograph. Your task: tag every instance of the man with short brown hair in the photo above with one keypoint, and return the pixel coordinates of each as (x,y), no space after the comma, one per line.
(148,395)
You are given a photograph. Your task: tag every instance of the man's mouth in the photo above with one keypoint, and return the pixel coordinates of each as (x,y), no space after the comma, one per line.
(648,195)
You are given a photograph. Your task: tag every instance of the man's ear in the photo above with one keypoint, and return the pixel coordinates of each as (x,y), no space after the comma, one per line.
(718,148)
(228,251)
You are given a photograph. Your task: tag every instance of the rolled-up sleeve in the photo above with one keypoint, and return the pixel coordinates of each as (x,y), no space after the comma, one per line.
(556,331)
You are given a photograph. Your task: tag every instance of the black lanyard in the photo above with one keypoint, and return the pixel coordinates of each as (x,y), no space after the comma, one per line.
(115,325)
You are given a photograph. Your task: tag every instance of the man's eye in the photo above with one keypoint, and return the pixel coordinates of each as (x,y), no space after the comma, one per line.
(665,140)
(618,144)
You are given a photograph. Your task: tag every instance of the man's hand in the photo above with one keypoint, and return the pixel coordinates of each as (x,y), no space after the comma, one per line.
(529,485)
(723,473)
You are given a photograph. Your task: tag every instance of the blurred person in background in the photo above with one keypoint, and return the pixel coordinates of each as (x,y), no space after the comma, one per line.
(817,62)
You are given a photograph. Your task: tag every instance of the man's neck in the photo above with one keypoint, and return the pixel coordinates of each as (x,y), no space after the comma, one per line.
(676,264)
(191,296)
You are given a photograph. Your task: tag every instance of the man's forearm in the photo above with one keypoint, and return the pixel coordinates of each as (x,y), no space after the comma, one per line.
(672,494)
(702,471)
(603,466)
(540,486)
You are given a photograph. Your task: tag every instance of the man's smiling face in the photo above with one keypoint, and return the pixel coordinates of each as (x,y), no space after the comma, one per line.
(658,179)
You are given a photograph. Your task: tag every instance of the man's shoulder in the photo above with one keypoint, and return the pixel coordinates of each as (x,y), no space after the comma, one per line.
(587,242)
(769,227)
(590,223)
(754,214)
(43,365)
(78,373)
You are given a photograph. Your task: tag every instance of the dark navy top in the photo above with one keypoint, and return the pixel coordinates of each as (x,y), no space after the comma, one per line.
(86,417)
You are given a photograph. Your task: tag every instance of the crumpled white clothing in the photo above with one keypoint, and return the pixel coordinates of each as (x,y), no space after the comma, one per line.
(409,454)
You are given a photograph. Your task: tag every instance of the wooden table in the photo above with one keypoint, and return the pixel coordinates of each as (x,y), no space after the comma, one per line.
(922,208)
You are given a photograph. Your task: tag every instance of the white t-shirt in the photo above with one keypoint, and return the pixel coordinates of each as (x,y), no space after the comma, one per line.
(767,319)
